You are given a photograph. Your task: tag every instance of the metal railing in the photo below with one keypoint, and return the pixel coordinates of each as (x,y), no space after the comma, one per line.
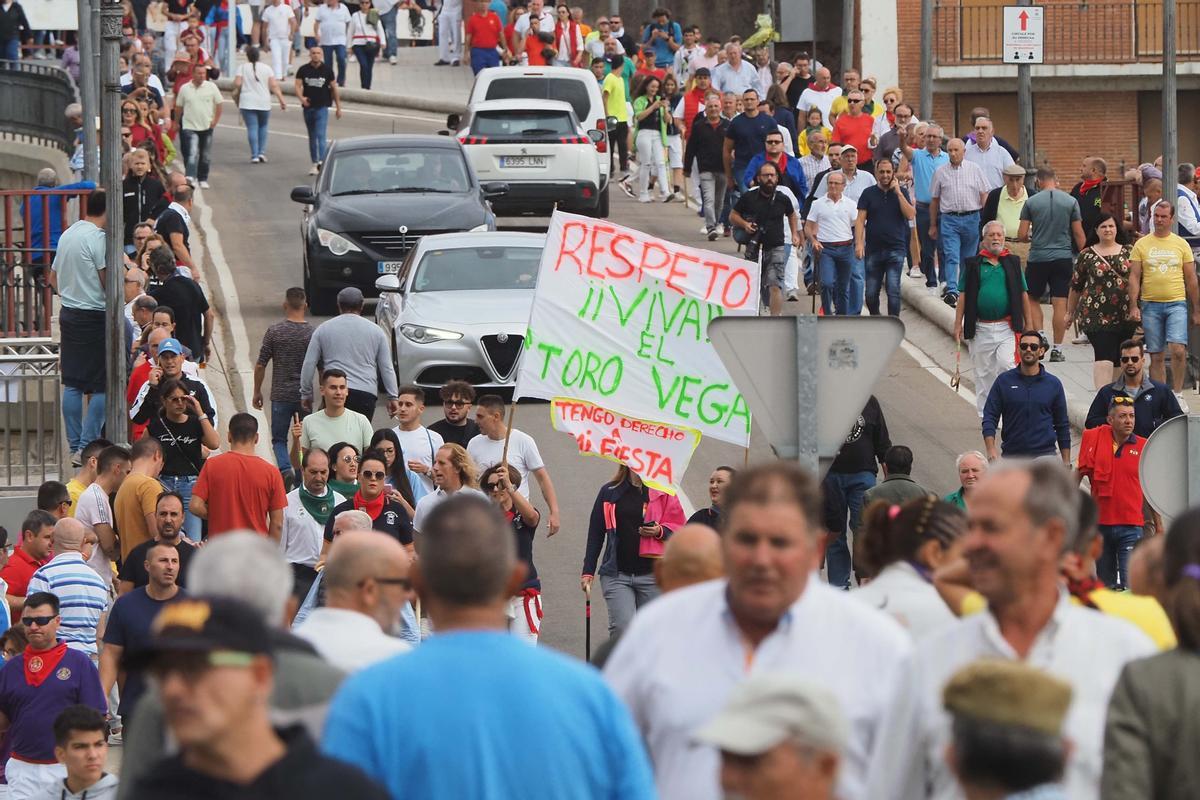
(1107,32)
(30,413)
(32,103)
(32,221)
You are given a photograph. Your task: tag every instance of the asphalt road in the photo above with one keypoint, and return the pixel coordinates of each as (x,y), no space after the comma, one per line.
(249,210)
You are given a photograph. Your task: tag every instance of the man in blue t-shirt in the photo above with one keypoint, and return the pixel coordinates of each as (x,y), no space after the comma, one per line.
(664,36)
(129,623)
(474,694)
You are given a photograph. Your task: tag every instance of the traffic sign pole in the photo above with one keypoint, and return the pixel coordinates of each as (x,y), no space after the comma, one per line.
(806,392)
(1025,112)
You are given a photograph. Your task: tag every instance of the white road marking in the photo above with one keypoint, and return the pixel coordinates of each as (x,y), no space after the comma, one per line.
(303,136)
(926,363)
(441,121)
(242,364)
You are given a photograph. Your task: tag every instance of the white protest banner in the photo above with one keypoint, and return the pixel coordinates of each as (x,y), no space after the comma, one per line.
(658,453)
(619,319)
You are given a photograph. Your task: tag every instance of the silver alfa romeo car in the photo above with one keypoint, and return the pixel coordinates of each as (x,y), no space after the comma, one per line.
(459,306)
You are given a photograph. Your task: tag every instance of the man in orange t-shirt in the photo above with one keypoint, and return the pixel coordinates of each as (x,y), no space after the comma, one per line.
(239,490)
(854,128)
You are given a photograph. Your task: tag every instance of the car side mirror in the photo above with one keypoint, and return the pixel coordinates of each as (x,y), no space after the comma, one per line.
(596,136)
(388,283)
(494,189)
(304,194)
(453,121)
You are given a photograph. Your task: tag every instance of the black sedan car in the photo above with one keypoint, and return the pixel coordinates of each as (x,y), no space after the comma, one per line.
(375,198)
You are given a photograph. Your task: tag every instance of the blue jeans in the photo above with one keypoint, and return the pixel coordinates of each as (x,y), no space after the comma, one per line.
(1112,567)
(389,27)
(256,130)
(12,49)
(81,430)
(843,494)
(929,248)
(883,267)
(316,120)
(336,52)
(183,484)
(197,149)
(959,237)
(840,273)
(281,429)
(366,65)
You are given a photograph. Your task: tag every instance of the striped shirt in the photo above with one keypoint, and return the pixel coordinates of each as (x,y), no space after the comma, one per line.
(284,345)
(82,597)
(959,188)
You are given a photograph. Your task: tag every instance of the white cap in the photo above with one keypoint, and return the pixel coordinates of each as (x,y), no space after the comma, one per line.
(766,710)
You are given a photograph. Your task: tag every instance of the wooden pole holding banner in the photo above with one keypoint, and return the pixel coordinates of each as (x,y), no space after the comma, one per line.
(512,410)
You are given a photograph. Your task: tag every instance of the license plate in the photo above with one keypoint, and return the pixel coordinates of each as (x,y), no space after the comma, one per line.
(522,161)
(389,267)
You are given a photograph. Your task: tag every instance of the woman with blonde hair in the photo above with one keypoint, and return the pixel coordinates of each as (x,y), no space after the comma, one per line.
(454,472)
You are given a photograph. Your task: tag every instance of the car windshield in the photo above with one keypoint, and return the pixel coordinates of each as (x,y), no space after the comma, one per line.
(523,124)
(532,87)
(411,170)
(477,269)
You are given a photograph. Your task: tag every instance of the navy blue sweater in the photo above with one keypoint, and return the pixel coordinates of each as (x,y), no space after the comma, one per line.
(1154,405)
(1033,409)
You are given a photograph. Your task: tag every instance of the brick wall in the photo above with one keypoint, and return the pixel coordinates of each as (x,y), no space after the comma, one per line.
(908,23)
(1069,127)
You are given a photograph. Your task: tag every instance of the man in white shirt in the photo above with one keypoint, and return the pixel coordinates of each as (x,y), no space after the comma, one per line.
(684,654)
(1187,215)
(988,154)
(1022,518)
(366,587)
(545,18)
(453,472)
(487,449)
(691,48)
(94,510)
(420,445)
(308,508)
(736,74)
(820,94)
(830,229)
(856,179)
(281,27)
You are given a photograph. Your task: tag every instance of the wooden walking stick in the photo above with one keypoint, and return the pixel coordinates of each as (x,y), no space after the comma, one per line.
(587,624)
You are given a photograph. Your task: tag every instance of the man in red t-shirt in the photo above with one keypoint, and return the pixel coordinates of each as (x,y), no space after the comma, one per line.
(482,35)
(238,490)
(37,540)
(1109,456)
(854,127)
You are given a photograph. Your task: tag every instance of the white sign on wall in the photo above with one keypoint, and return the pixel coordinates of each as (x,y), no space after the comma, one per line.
(1023,35)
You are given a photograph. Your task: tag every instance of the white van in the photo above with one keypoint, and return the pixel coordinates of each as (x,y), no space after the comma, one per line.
(576,87)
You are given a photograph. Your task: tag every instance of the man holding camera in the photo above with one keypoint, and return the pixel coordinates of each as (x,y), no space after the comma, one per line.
(760,214)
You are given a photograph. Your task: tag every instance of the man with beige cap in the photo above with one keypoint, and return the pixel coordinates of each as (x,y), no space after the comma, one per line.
(779,737)
(1007,722)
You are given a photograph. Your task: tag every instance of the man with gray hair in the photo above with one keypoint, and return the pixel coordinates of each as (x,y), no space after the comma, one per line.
(50,209)
(1188,218)
(779,736)
(468,570)
(1022,518)
(248,567)
(971,466)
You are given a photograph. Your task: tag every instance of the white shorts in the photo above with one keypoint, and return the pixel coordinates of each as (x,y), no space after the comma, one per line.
(525,617)
(32,781)
(675,151)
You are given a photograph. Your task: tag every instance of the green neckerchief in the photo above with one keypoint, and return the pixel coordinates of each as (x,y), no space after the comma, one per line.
(346,490)
(319,507)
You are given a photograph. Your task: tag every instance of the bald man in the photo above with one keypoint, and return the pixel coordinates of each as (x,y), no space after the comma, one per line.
(366,590)
(692,555)
(83,595)
(1146,568)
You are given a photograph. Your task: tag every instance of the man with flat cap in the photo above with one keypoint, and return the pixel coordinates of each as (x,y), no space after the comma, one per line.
(212,660)
(779,736)
(359,348)
(1007,738)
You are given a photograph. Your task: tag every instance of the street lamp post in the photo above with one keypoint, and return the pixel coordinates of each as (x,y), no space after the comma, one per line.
(89,88)
(116,420)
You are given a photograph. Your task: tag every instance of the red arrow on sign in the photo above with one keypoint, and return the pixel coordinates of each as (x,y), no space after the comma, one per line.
(1024,17)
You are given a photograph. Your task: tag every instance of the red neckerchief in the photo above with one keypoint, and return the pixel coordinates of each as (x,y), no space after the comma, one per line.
(1087,186)
(993,257)
(891,118)
(39,664)
(782,162)
(1082,590)
(373,507)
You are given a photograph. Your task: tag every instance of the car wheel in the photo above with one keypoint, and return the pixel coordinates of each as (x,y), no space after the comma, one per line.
(602,206)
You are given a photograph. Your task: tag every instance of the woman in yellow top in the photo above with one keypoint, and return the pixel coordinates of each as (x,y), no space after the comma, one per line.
(814,120)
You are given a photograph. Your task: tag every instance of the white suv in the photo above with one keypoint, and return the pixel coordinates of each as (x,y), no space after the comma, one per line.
(541,151)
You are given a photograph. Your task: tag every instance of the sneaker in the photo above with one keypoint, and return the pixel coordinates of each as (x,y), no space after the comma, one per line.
(1080,339)
(440,63)
(116,739)
(644,198)
(191,182)
(681,197)
(262,159)
(1056,355)
(1183,406)
(793,295)
(76,458)
(625,187)
(727,232)
(315,170)
(668,198)
(391,59)
(712,234)
(950,299)
(204,185)
(253,159)
(456,63)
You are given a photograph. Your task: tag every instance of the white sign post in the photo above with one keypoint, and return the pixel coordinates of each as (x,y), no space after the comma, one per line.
(1023,35)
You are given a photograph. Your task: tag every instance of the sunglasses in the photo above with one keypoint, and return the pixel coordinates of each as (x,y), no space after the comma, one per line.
(494,486)
(1122,401)
(854,102)
(774,141)
(1130,359)
(1029,346)
(41,622)
(371,475)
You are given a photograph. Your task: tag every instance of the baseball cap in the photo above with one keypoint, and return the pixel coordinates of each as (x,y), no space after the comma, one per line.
(350,296)
(766,710)
(1009,693)
(703,72)
(170,346)
(849,148)
(203,625)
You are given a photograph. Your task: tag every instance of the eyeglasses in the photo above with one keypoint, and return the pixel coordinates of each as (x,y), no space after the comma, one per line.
(1030,346)
(371,475)
(1130,359)
(41,622)
(456,403)
(349,459)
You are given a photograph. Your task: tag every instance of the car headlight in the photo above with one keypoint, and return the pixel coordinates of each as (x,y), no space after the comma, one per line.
(477,228)
(337,244)
(422,335)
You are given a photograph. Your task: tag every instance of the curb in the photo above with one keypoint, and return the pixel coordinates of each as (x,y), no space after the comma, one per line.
(373,98)
(933,309)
